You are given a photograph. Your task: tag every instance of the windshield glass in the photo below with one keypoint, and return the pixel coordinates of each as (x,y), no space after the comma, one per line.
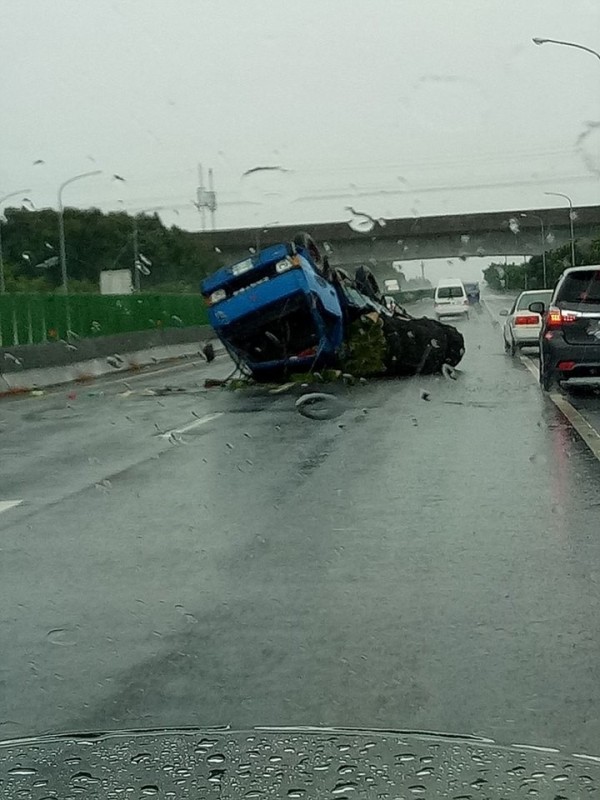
(450,291)
(263,460)
(537,297)
(581,287)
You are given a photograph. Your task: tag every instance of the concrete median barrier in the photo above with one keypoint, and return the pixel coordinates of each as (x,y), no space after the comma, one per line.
(27,367)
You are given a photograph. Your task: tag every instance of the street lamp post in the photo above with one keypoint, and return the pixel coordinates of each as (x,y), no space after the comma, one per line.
(61,224)
(571,214)
(543,235)
(538,40)
(2,199)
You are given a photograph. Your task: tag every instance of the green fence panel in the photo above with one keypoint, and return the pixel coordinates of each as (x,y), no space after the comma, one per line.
(34,318)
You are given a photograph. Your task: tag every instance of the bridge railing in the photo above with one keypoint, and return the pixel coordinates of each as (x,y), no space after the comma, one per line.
(35,318)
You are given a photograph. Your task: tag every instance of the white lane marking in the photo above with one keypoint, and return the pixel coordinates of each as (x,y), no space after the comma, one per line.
(494,321)
(531,366)
(586,431)
(6,504)
(589,434)
(194,424)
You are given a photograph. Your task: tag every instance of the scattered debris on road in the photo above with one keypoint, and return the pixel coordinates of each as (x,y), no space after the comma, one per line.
(319,405)
(209,352)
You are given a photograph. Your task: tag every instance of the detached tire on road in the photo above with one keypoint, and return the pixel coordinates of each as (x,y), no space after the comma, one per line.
(420,346)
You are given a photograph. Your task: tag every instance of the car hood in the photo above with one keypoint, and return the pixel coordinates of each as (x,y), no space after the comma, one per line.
(287,762)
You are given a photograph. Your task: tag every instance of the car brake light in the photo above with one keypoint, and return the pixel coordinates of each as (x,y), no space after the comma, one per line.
(527,319)
(556,318)
(566,366)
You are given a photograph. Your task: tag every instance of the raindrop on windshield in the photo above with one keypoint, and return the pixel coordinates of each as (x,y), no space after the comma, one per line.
(22,771)
(342,788)
(140,758)
(84,777)
(60,636)
(14,359)
(359,221)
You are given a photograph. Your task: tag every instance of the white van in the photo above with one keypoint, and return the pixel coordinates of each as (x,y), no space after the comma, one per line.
(450,299)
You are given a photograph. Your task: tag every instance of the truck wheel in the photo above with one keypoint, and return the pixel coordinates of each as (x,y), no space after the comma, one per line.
(366,282)
(305,240)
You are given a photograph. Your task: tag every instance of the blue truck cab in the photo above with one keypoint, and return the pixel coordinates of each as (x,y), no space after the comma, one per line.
(275,312)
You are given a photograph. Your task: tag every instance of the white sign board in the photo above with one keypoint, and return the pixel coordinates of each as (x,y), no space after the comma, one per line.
(116,281)
(391,285)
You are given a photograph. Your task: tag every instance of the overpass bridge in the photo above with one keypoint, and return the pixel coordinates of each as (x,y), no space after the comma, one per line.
(497,233)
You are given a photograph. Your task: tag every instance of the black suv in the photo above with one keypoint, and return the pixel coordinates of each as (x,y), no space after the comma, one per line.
(570,336)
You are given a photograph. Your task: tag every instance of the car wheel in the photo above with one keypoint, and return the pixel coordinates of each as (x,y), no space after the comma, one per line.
(513,348)
(506,346)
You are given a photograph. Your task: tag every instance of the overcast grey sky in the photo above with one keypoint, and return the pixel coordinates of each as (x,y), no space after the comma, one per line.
(397,107)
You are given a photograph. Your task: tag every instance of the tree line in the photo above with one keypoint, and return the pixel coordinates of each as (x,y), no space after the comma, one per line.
(530,275)
(97,241)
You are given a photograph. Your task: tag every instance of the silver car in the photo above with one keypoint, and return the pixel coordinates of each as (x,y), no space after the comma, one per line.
(522,327)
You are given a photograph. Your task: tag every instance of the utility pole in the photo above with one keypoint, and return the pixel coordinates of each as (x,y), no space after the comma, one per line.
(543,235)
(571,220)
(206,198)
(212,199)
(200,197)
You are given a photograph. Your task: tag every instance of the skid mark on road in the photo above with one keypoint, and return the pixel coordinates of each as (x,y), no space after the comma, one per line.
(585,430)
(5,505)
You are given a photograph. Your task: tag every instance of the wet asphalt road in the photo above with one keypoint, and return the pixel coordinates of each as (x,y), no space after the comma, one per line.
(429,565)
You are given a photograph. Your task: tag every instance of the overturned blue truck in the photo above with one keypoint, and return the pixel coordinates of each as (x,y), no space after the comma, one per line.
(285,310)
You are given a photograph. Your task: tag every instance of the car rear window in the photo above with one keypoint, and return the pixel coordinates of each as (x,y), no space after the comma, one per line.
(526,299)
(581,287)
(450,291)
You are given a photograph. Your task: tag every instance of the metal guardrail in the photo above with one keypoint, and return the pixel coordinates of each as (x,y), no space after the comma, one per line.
(36,318)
